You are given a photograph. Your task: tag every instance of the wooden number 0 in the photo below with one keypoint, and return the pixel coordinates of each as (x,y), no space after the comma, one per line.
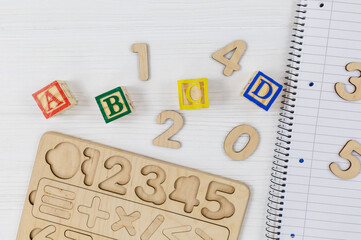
(248,149)
(356,81)
(163,139)
(142,50)
(231,64)
(346,153)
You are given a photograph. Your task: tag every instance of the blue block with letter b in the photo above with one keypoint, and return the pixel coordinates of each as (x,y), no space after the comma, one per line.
(262,90)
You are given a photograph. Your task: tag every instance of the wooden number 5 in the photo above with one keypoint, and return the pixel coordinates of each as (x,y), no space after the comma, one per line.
(226,208)
(248,149)
(231,64)
(163,139)
(346,153)
(356,81)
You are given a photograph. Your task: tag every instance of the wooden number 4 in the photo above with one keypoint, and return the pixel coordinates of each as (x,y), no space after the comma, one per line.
(186,190)
(231,64)
(346,153)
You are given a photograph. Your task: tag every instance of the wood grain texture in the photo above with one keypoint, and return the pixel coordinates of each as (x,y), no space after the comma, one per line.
(142,50)
(86,44)
(250,146)
(164,139)
(102,212)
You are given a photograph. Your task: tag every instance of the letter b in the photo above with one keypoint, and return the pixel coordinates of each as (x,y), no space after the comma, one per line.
(111,104)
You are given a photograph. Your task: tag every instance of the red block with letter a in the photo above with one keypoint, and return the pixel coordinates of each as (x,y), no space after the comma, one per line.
(54,98)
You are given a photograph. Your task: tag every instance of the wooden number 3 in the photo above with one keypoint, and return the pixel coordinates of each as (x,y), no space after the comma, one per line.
(356,81)
(248,149)
(346,153)
(158,197)
(163,139)
(231,64)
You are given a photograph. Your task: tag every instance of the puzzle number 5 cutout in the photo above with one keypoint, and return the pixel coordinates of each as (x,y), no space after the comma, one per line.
(231,64)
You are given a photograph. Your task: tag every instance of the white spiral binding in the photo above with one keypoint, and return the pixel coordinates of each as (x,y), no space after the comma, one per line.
(279,169)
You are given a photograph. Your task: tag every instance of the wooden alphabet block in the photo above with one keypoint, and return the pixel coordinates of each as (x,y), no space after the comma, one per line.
(193,94)
(87,191)
(114,104)
(54,98)
(262,90)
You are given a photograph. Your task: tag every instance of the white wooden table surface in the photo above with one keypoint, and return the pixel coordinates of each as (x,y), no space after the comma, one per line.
(87,43)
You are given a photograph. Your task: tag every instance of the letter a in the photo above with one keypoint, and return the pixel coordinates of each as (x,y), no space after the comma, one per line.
(49,96)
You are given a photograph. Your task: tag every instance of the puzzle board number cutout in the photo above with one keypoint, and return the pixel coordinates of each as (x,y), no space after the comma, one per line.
(94,192)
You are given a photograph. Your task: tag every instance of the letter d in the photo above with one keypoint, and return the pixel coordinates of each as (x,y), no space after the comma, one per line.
(268,94)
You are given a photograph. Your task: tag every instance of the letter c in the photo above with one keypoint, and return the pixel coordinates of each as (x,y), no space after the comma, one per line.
(188,94)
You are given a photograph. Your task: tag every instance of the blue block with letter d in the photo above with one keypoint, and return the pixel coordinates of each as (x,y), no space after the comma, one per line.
(262,90)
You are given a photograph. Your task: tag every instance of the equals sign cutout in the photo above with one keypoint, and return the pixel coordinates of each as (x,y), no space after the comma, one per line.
(70,234)
(58,202)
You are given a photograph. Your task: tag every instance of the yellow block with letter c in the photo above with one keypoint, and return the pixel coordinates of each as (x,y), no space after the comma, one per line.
(193,94)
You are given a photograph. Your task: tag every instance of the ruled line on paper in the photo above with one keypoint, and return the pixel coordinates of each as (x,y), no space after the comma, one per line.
(323,206)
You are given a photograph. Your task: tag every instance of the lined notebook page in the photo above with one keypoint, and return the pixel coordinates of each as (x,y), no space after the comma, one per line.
(317,204)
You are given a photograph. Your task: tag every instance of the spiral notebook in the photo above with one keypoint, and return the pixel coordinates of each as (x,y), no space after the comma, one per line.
(307,200)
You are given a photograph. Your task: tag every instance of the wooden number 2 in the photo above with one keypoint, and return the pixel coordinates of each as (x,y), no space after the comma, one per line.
(122,177)
(234,135)
(226,208)
(142,50)
(163,139)
(356,81)
(231,64)
(158,197)
(346,153)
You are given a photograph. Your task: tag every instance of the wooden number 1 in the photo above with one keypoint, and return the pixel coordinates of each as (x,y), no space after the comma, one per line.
(234,135)
(356,81)
(142,50)
(346,153)
(163,139)
(231,64)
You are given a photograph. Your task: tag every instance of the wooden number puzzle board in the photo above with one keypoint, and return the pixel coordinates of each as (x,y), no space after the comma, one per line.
(81,190)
